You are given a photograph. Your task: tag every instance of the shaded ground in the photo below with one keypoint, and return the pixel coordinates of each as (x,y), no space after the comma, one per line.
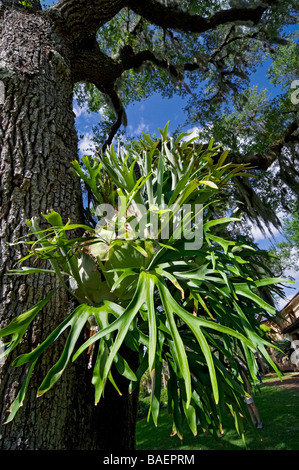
(291,382)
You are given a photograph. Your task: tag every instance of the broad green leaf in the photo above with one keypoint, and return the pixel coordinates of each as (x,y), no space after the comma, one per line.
(160,180)
(151,323)
(223,220)
(244,290)
(26,270)
(208,356)
(221,241)
(195,323)
(97,377)
(121,324)
(53,218)
(178,343)
(18,402)
(222,158)
(174,404)
(172,279)
(156,391)
(18,326)
(76,322)
(143,367)
(68,322)
(269,281)
(148,138)
(211,184)
(123,368)
(164,133)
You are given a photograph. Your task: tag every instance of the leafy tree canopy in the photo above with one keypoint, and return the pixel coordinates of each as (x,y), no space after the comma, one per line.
(206,52)
(287,251)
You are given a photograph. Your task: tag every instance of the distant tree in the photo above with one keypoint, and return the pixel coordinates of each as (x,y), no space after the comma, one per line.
(291,231)
(287,252)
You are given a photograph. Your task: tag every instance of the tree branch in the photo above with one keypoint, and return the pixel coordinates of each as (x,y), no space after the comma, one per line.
(82,19)
(93,66)
(132,60)
(264,161)
(175,18)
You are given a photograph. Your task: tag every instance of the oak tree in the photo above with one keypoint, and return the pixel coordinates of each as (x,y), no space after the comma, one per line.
(111,48)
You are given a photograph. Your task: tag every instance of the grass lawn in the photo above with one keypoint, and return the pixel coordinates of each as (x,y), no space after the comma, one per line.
(279,410)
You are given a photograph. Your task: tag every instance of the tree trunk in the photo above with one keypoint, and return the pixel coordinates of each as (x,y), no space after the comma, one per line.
(37,143)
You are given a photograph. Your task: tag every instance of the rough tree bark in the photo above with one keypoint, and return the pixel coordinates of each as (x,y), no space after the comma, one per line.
(37,143)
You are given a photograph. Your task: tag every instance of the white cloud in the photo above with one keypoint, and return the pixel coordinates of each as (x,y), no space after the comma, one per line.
(142,127)
(281,303)
(259,235)
(82,111)
(292,273)
(194,133)
(78,110)
(86,145)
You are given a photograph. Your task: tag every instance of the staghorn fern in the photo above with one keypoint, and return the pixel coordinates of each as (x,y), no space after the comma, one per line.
(194,307)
